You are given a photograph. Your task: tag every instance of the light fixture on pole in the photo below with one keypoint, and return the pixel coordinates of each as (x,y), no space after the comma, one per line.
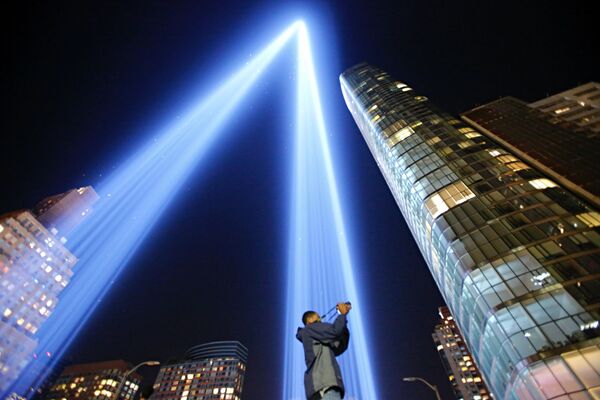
(120,387)
(432,387)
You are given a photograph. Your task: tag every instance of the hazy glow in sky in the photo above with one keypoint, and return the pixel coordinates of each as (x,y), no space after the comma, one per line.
(134,197)
(320,271)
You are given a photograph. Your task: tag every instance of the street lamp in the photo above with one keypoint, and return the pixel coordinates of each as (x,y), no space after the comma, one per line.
(149,363)
(432,387)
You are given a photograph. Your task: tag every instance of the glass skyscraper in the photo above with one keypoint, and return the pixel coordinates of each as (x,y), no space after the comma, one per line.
(514,254)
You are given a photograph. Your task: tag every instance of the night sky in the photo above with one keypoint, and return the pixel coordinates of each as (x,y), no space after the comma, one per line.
(88,82)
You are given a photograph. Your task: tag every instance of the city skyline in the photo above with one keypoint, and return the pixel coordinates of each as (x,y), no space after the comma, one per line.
(212,263)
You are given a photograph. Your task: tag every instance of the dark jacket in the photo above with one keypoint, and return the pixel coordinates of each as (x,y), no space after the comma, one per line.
(319,340)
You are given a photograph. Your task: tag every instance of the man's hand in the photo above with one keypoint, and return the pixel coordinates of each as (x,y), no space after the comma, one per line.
(344,308)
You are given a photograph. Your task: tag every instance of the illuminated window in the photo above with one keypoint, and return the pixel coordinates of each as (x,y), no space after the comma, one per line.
(448,197)
(591,219)
(542,183)
(518,166)
(433,141)
(589,325)
(469,132)
(506,158)
(562,110)
(400,136)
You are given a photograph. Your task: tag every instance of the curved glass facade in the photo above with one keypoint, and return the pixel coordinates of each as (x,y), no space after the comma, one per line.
(229,348)
(516,256)
(210,371)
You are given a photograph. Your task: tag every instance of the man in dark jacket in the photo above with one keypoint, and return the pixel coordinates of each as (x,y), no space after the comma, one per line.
(323,379)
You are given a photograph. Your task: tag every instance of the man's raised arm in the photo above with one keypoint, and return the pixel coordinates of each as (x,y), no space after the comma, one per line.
(325,332)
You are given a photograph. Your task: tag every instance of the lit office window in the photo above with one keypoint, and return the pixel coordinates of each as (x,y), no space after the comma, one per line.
(518,166)
(400,136)
(507,158)
(447,198)
(542,183)
(562,110)
(591,219)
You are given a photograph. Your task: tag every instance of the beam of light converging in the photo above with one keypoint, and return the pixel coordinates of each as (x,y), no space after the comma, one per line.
(133,198)
(320,271)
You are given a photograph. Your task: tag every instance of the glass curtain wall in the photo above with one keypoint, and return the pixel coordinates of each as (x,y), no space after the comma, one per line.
(515,255)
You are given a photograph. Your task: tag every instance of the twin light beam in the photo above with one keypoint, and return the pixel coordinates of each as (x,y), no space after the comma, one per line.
(134,197)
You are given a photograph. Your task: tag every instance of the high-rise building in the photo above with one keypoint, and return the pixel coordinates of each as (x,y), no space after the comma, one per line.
(62,213)
(568,157)
(35,266)
(207,372)
(515,255)
(463,374)
(97,381)
(579,106)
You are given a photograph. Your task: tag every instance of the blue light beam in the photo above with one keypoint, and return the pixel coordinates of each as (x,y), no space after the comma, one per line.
(320,271)
(134,197)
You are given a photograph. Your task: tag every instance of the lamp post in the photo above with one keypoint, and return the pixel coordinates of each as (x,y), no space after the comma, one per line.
(120,387)
(432,387)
